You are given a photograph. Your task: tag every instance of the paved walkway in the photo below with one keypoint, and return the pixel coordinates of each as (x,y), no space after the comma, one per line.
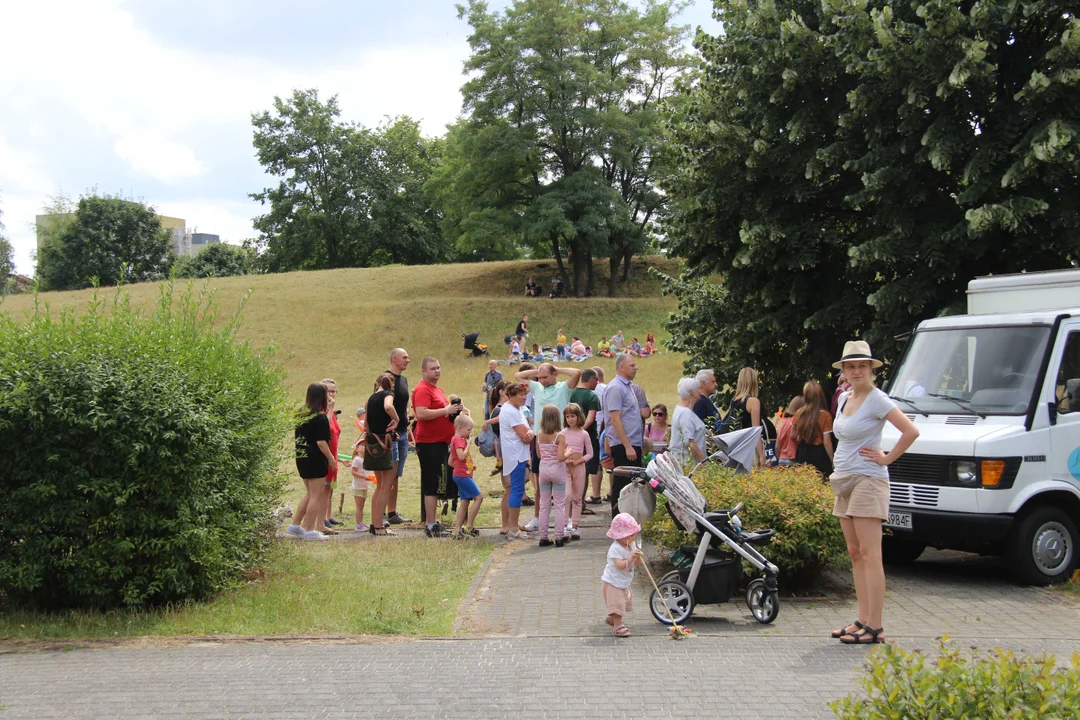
(534,645)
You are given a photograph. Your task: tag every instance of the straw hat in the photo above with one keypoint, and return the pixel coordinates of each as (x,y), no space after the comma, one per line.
(857,350)
(623,525)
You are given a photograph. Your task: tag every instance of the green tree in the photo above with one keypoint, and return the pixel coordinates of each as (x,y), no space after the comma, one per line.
(7,260)
(347,196)
(219,260)
(845,167)
(559,150)
(108,239)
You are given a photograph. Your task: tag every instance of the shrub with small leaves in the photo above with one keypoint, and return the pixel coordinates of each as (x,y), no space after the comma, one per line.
(140,453)
(956,684)
(793,501)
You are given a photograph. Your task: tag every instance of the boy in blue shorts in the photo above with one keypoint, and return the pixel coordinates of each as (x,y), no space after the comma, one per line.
(464,466)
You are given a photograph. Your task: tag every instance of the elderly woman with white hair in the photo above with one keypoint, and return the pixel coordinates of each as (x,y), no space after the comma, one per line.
(687,429)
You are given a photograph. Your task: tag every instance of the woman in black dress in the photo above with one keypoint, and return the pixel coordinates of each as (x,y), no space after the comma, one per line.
(382,421)
(313,461)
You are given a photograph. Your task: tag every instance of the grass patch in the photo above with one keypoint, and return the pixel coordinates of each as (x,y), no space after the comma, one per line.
(403,586)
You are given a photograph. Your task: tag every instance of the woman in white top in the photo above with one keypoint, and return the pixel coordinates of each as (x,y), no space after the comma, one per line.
(860,481)
(687,429)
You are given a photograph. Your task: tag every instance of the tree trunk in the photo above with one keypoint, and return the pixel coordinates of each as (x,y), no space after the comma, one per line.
(559,262)
(591,290)
(580,279)
(628,256)
(613,278)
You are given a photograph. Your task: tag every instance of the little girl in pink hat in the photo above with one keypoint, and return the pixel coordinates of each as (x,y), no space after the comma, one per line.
(622,556)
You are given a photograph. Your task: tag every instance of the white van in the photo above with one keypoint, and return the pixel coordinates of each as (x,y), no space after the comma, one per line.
(996,397)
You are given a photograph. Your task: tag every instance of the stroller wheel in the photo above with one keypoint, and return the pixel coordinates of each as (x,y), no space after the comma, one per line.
(764,604)
(677,597)
(673,575)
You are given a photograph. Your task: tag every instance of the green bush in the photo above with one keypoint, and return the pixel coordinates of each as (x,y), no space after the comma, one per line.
(793,501)
(140,453)
(997,684)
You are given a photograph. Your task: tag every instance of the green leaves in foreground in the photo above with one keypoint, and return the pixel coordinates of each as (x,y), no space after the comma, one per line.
(140,453)
(996,684)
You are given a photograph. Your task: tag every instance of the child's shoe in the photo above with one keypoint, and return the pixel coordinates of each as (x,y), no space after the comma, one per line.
(533,525)
(544,542)
(559,543)
(362,527)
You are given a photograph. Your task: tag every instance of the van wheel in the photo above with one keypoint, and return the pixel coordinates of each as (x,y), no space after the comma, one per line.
(1043,547)
(897,550)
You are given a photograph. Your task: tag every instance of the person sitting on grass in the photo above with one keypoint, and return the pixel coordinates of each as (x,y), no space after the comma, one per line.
(468,492)
(603,348)
(577,348)
(635,347)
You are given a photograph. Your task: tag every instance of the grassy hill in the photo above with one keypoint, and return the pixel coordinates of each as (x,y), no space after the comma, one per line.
(342,324)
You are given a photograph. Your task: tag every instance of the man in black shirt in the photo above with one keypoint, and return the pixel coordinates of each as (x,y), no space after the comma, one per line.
(399,361)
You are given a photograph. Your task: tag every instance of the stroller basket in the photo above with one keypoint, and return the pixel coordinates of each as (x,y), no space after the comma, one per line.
(720,574)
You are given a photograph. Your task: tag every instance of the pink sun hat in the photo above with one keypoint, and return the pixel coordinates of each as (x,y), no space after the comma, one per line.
(623,525)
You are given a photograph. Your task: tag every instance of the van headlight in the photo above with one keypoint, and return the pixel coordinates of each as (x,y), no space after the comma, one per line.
(965,472)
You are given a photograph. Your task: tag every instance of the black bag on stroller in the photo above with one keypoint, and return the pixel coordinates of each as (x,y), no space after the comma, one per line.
(476,349)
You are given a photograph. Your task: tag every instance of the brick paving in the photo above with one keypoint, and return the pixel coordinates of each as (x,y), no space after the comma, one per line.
(532,643)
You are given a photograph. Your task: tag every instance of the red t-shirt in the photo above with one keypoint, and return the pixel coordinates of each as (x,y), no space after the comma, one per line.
(335,435)
(439,430)
(461,467)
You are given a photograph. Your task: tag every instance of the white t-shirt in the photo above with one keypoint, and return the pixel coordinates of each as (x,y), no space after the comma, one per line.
(513,450)
(686,426)
(862,429)
(357,468)
(613,575)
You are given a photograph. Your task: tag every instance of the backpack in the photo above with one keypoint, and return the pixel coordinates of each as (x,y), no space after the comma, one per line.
(731,420)
(485,441)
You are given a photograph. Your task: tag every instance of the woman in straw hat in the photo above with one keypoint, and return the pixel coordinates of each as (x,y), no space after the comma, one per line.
(860,481)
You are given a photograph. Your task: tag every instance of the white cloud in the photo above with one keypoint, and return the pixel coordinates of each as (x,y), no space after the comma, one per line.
(150,154)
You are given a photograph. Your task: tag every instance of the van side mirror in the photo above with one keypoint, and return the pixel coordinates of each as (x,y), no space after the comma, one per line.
(1052,410)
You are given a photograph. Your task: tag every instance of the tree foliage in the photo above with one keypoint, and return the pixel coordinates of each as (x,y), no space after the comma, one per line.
(218,260)
(107,239)
(347,196)
(7,259)
(559,151)
(845,167)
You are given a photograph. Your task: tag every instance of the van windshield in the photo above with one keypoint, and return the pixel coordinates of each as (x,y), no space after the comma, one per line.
(989,370)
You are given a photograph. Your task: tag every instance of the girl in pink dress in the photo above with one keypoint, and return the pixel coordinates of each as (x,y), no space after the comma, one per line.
(578,452)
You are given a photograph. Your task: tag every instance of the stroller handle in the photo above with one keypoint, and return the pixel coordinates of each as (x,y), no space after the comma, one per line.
(630,471)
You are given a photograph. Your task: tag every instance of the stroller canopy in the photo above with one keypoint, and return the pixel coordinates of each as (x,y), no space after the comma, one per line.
(470,340)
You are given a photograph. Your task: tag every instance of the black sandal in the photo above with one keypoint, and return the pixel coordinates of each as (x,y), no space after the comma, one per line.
(837,634)
(856,638)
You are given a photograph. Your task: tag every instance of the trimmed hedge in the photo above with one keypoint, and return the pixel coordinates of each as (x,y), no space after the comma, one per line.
(140,453)
(793,501)
(997,684)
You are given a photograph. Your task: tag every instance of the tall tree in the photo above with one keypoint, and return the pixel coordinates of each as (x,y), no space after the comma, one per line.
(108,240)
(7,259)
(562,101)
(347,196)
(845,167)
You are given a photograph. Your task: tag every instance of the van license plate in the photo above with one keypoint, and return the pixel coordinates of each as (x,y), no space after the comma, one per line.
(899,520)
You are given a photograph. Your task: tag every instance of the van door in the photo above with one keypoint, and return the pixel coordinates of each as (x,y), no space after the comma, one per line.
(1065,436)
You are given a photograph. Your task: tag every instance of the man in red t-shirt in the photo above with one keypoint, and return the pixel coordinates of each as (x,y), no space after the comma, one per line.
(434,430)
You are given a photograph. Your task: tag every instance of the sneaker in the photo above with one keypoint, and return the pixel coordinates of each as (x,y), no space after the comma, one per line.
(395,519)
(362,527)
(474,532)
(533,525)
(436,531)
(314,535)
(334,522)
(575,536)
(569,529)
(295,530)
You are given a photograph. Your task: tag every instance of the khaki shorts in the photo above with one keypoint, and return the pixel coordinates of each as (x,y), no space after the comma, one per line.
(860,496)
(359,492)
(618,601)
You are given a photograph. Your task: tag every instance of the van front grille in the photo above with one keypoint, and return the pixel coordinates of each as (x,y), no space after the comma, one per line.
(915,495)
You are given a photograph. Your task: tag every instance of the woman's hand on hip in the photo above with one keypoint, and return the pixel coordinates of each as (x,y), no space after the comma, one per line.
(874,455)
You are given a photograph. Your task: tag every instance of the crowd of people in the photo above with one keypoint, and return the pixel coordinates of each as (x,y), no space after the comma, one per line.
(573,350)
(558,428)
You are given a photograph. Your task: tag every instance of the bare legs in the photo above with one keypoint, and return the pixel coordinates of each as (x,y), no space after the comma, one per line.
(310,509)
(383,488)
(863,537)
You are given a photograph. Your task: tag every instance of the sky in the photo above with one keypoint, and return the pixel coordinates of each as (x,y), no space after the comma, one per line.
(152,99)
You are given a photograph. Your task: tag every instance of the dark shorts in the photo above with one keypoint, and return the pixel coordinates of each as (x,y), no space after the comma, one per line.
(432,457)
(593,465)
(534,465)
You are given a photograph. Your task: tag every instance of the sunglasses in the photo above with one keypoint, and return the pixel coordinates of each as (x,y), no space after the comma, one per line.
(659,414)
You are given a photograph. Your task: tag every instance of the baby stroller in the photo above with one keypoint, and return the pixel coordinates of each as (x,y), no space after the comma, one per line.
(706,573)
(477,349)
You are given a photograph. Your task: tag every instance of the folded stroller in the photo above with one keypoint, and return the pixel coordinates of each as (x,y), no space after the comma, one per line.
(477,349)
(706,573)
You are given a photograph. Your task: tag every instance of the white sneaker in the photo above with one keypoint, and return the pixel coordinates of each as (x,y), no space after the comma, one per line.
(315,535)
(295,530)
(569,528)
(533,525)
